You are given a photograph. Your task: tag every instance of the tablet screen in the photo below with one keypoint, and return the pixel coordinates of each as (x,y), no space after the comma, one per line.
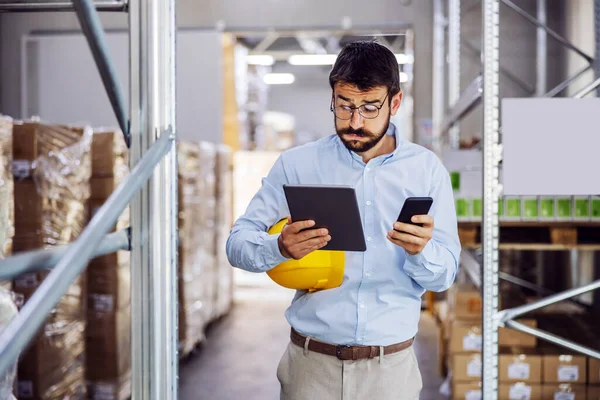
(331,207)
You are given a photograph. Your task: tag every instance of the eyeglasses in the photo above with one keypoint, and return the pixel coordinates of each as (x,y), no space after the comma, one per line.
(367,111)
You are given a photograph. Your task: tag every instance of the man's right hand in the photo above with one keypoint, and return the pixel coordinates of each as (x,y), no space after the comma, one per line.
(296,244)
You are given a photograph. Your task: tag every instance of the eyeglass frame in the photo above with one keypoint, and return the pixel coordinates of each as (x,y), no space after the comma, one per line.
(332,108)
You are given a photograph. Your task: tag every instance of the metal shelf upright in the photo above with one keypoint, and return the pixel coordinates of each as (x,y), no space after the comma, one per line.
(152,238)
(484,90)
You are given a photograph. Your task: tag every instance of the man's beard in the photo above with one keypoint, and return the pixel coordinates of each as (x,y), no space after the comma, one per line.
(363,145)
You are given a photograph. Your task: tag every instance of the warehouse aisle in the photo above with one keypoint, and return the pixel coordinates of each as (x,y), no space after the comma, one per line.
(240,357)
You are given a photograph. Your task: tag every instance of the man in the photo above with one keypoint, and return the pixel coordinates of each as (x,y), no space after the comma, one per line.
(378,303)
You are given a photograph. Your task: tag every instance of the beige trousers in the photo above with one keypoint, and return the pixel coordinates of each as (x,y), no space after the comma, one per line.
(306,375)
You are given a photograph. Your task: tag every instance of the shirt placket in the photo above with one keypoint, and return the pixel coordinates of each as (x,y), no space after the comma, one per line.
(369,230)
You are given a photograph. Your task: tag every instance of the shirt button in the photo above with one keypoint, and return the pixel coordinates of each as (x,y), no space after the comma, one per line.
(369,239)
(367,274)
(368,169)
(368,203)
(361,305)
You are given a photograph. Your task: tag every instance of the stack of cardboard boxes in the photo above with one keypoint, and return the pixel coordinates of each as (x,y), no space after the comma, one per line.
(223,223)
(192,294)
(108,339)
(52,168)
(7,211)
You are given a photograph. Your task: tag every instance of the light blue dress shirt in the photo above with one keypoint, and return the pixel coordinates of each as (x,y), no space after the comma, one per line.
(379,301)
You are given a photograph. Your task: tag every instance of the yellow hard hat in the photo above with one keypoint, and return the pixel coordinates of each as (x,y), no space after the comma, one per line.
(321,269)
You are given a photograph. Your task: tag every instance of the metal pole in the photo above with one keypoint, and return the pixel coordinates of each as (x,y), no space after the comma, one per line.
(37,260)
(438,96)
(545,27)
(58,6)
(19,332)
(94,33)
(552,338)
(490,21)
(597,32)
(454,65)
(563,85)
(588,89)
(541,51)
(517,311)
(154,211)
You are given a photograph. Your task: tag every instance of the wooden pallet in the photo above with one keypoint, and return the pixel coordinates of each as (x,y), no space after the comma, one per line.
(522,235)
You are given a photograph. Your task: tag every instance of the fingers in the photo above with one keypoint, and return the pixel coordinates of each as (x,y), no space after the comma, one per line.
(296,227)
(426,220)
(406,238)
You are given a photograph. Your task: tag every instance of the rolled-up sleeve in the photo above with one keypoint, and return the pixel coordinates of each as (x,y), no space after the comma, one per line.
(435,267)
(249,246)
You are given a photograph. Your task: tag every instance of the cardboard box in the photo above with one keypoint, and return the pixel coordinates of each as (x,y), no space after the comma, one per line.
(593,392)
(525,368)
(110,390)
(466,336)
(520,391)
(564,391)
(465,301)
(565,368)
(593,371)
(466,391)
(466,367)
(108,345)
(110,155)
(109,288)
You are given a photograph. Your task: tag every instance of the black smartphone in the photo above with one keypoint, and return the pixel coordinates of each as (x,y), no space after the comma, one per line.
(414,206)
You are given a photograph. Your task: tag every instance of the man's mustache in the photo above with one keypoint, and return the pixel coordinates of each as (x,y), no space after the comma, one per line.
(351,131)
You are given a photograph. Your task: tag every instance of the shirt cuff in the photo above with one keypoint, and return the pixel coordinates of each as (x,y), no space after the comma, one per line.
(416,264)
(272,255)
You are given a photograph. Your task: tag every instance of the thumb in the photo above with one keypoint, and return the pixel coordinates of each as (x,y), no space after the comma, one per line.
(289,218)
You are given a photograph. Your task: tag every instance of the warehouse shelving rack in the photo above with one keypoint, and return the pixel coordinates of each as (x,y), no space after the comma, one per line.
(484,90)
(150,190)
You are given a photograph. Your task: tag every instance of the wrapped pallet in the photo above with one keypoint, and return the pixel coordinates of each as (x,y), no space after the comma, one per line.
(192,316)
(207,184)
(223,223)
(52,171)
(8,310)
(108,337)
(7,216)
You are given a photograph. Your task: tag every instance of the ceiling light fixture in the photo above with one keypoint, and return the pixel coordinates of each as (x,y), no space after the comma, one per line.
(260,59)
(279,79)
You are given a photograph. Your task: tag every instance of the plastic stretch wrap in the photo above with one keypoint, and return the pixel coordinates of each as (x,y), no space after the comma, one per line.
(224,221)
(207,187)
(108,338)
(8,310)
(7,211)
(192,316)
(52,168)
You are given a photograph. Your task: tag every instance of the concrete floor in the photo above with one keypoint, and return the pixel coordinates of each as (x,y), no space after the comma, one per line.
(240,356)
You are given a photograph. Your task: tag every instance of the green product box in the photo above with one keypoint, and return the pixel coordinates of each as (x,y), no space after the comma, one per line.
(581,205)
(513,208)
(546,208)
(564,208)
(455,179)
(530,208)
(477,208)
(595,207)
(500,208)
(462,209)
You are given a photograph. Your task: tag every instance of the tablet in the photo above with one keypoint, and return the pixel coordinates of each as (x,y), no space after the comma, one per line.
(331,207)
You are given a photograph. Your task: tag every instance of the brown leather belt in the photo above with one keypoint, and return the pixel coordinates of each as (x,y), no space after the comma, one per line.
(344,352)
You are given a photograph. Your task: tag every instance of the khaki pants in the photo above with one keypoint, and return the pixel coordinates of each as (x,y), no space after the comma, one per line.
(306,375)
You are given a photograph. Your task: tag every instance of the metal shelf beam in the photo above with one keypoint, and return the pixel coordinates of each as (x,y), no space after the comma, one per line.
(58,6)
(469,99)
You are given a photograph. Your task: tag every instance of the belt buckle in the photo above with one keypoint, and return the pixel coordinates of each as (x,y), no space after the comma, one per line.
(338,350)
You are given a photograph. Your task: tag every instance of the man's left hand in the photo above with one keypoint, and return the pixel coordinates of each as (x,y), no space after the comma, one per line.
(412,238)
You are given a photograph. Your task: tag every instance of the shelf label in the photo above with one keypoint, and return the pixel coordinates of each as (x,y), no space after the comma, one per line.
(25,389)
(473,395)
(519,392)
(564,396)
(472,342)
(103,302)
(474,368)
(519,371)
(568,373)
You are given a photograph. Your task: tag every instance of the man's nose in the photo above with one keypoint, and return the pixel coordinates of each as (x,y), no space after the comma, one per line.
(357,121)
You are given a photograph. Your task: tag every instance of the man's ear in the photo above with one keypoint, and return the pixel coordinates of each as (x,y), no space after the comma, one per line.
(395,102)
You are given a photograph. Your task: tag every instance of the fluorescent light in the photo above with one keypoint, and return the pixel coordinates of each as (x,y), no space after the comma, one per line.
(329,59)
(279,79)
(403,77)
(312,59)
(260,59)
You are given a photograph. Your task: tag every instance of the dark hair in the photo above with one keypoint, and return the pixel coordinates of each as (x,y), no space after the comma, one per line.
(366,64)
